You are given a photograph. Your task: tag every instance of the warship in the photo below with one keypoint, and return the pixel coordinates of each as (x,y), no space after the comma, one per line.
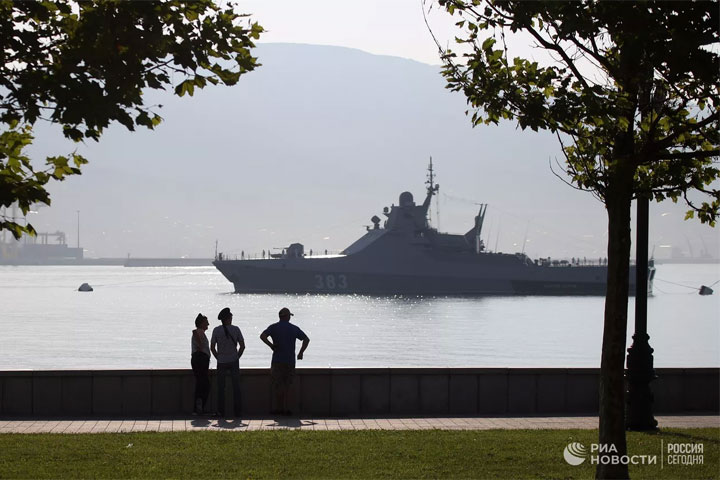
(406,256)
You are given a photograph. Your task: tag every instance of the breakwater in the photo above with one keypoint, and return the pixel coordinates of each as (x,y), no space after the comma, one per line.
(349,391)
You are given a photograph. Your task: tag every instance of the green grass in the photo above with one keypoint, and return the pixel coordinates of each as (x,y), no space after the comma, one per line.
(334,454)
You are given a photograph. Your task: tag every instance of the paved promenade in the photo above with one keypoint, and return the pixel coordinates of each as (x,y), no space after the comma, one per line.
(192,424)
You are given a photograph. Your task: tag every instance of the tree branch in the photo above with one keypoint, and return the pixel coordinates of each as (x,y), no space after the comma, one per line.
(688,155)
(561,51)
(670,139)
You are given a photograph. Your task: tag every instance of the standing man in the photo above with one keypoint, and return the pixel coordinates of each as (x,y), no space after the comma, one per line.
(282,368)
(227,346)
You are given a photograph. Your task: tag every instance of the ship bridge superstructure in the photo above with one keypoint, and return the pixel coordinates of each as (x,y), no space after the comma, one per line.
(411,222)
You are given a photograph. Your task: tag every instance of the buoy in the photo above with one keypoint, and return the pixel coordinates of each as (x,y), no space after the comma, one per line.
(85,288)
(705,290)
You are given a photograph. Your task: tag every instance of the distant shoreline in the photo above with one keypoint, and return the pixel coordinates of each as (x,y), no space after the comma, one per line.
(123,262)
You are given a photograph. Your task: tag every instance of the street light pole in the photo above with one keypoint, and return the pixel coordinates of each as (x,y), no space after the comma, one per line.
(78,232)
(640,372)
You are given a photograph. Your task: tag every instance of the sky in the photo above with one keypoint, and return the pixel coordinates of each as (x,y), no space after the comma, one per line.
(397,28)
(381,27)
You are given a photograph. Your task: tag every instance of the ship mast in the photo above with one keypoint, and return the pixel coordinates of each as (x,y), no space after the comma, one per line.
(432,189)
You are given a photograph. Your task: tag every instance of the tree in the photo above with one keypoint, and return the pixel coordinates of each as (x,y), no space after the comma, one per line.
(85,64)
(632,95)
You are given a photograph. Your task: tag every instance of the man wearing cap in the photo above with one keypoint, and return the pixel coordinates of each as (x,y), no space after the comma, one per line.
(283,334)
(227,346)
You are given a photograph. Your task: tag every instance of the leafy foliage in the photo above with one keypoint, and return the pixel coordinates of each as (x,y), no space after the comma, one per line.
(83,65)
(633,90)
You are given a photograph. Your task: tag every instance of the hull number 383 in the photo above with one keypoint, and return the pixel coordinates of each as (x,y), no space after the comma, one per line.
(330,282)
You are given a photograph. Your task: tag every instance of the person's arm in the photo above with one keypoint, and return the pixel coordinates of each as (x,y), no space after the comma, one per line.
(213,342)
(306,340)
(264,338)
(197,342)
(241,341)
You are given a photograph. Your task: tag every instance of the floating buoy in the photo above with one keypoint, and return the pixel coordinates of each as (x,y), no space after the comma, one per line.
(705,290)
(85,288)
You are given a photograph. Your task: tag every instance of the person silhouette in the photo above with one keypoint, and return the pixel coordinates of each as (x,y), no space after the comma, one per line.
(200,362)
(282,365)
(227,346)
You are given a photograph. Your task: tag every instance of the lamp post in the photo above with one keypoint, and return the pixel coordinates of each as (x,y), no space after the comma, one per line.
(78,225)
(640,372)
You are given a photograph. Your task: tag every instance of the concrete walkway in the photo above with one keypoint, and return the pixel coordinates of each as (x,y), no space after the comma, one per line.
(193,424)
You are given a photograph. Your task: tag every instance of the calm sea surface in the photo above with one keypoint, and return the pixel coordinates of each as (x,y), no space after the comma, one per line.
(142,318)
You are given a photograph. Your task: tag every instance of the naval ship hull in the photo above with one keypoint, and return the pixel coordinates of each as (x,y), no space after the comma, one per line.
(345,275)
(406,256)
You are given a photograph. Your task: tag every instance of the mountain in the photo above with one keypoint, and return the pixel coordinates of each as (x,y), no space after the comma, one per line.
(306,149)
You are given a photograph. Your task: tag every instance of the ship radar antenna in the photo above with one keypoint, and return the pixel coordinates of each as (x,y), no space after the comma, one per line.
(432,189)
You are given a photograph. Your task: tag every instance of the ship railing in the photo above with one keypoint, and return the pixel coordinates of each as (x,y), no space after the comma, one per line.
(571,262)
(275,254)
(561,263)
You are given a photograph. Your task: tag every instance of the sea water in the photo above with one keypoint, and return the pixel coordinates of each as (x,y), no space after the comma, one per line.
(141,318)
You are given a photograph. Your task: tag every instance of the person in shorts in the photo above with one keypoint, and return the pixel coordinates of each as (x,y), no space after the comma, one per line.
(282,367)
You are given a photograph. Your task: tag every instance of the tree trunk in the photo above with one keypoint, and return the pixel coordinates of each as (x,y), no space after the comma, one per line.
(612,384)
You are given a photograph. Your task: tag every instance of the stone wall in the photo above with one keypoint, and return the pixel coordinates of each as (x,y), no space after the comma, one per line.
(349,392)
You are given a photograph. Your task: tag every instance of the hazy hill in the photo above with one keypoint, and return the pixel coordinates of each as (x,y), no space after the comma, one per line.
(308,148)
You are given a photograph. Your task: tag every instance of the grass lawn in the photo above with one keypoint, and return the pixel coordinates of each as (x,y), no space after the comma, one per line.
(337,454)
